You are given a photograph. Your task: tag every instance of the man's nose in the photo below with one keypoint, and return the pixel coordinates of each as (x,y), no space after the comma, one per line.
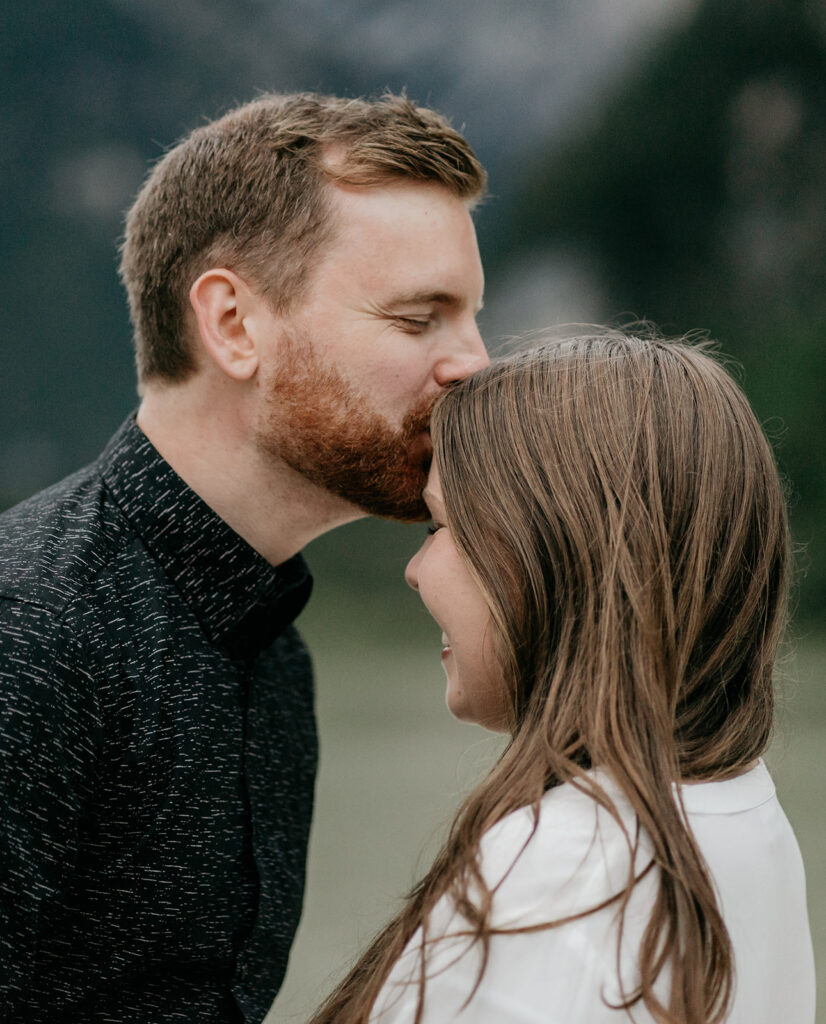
(466,357)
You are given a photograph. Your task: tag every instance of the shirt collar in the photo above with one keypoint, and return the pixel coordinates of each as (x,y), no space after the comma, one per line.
(730,796)
(242,602)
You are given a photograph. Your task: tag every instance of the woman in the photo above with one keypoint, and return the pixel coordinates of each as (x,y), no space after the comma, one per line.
(608,561)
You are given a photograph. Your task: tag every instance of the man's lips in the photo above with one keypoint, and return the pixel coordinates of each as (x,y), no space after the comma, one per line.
(420,450)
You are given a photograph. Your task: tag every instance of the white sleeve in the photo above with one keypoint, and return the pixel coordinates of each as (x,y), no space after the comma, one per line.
(535,978)
(551,976)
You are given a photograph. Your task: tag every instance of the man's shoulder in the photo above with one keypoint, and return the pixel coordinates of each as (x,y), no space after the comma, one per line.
(55,542)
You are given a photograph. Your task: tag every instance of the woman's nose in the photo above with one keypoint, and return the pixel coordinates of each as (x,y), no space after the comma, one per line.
(411,573)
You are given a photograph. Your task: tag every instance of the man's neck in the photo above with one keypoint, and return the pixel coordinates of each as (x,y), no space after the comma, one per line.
(274,508)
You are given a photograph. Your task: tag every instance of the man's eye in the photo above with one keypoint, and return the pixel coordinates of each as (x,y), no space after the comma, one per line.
(413,324)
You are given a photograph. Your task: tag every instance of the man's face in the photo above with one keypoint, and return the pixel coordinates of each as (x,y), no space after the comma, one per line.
(387,323)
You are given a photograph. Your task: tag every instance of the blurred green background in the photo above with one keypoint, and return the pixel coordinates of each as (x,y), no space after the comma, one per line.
(660,159)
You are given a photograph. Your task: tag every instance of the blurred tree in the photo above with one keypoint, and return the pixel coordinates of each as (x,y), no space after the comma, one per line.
(700,190)
(82,98)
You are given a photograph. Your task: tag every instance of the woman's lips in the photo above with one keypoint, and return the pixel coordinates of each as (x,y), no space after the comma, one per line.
(446,648)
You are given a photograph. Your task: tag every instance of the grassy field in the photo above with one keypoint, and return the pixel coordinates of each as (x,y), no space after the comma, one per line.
(394,766)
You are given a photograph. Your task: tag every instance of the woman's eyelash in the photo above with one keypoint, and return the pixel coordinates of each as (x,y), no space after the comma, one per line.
(433,528)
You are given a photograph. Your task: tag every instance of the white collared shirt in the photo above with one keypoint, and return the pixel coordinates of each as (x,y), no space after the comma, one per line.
(577,858)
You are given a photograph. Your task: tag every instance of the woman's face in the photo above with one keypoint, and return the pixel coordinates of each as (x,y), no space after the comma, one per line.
(475,689)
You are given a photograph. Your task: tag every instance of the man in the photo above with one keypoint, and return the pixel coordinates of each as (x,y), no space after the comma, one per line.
(303,279)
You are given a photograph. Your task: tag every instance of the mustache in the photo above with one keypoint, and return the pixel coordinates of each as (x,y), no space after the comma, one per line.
(417,420)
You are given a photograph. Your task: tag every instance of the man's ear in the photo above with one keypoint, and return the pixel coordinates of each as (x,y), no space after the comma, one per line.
(221,301)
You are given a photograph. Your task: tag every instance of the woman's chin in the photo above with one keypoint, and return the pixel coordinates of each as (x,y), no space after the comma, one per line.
(494,718)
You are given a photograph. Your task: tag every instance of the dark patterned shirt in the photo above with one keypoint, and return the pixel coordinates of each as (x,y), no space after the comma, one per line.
(157,753)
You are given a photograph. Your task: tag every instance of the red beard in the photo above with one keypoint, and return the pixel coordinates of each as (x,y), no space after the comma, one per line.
(324,428)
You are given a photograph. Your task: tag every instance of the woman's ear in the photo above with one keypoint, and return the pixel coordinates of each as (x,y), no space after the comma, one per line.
(221,301)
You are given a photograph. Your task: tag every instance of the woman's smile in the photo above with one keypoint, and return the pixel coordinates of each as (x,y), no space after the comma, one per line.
(475,691)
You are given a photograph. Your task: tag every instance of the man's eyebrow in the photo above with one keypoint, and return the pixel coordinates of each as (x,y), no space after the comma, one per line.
(426,298)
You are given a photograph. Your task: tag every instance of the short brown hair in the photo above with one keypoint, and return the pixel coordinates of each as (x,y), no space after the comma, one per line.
(246,191)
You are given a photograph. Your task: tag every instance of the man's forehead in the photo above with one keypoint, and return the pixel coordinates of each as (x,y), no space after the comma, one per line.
(415,240)
(386,203)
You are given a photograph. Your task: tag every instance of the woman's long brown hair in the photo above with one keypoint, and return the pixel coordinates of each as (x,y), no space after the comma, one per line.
(619,506)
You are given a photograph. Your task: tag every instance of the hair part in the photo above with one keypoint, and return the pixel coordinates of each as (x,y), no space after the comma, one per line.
(249,191)
(620,506)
